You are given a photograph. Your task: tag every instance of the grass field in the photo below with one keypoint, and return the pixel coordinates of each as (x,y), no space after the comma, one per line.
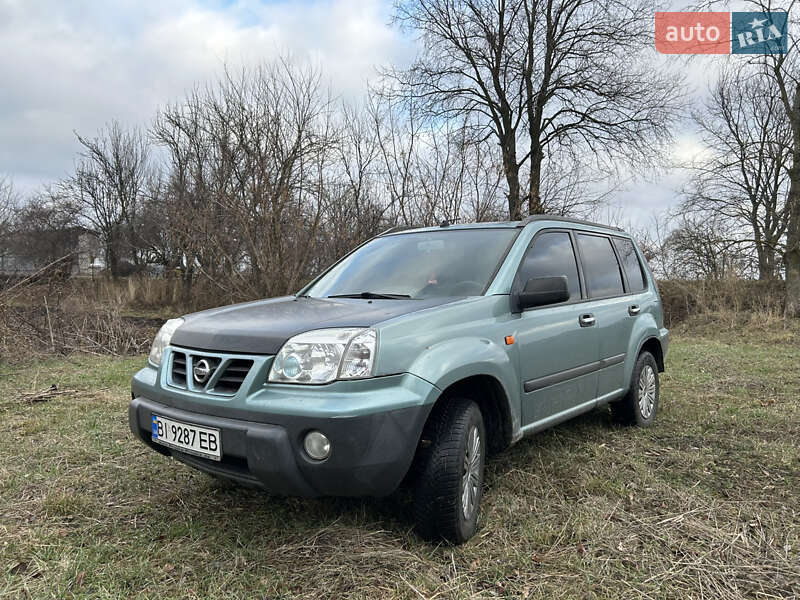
(705,504)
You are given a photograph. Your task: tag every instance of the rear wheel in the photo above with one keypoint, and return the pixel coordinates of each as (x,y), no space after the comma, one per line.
(450,486)
(640,405)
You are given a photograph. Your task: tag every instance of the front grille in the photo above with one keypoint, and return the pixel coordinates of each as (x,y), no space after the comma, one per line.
(225,378)
(179,369)
(232,376)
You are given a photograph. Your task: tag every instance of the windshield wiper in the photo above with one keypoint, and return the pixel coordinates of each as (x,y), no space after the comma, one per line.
(372,296)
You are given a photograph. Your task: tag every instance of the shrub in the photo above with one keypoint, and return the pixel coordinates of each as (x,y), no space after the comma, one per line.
(685,298)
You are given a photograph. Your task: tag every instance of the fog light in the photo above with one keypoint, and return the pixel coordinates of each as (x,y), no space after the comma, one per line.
(317,445)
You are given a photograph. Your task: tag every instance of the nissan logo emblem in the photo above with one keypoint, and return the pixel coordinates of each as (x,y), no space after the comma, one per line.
(201,371)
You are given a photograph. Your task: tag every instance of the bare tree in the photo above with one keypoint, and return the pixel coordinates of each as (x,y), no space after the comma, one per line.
(8,209)
(743,173)
(468,66)
(46,229)
(590,84)
(352,211)
(703,247)
(541,74)
(434,170)
(246,185)
(156,228)
(652,239)
(108,186)
(783,72)
(399,129)
(8,205)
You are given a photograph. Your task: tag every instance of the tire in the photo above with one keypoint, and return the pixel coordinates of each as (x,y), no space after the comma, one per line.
(457,437)
(640,405)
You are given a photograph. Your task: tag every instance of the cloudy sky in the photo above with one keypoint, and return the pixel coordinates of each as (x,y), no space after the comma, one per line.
(75,65)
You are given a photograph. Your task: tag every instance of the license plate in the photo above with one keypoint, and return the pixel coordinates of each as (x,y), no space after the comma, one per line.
(193,439)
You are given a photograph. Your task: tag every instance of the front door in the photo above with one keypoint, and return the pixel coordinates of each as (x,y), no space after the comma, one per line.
(558,344)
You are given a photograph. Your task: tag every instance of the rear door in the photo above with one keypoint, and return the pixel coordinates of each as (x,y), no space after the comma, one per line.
(609,304)
(556,350)
(636,305)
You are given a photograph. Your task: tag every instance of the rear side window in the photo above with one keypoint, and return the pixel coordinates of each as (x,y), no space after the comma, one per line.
(600,266)
(552,256)
(630,262)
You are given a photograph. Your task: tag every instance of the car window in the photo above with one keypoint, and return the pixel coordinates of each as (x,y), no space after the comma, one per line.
(441,263)
(600,266)
(552,256)
(630,262)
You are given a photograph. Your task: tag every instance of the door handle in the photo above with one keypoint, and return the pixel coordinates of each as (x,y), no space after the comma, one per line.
(586,320)
(634,310)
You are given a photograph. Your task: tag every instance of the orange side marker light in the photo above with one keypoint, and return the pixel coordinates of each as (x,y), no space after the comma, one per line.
(509,340)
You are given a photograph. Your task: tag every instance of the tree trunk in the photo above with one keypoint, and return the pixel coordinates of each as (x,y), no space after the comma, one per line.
(766,261)
(187,281)
(534,192)
(792,255)
(535,102)
(112,258)
(792,260)
(511,169)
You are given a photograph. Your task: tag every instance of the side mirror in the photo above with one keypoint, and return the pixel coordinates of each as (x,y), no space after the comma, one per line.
(541,291)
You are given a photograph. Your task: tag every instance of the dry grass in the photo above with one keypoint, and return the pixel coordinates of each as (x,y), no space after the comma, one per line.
(42,315)
(39,331)
(706,504)
(684,299)
(150,296)
(46,317)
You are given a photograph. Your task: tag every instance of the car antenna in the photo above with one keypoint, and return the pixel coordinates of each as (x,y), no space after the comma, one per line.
(445,223)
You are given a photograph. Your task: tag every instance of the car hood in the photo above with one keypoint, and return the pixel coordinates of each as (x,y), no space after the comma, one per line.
(262,327)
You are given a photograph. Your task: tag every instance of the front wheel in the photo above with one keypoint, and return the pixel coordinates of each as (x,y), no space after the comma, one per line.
(640,404)
(450,486)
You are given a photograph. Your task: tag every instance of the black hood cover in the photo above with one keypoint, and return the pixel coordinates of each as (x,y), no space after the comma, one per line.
(262,327)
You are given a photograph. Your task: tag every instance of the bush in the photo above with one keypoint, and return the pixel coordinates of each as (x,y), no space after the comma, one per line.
(685,298)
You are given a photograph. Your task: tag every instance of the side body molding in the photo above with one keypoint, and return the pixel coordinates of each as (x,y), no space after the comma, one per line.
(542,382)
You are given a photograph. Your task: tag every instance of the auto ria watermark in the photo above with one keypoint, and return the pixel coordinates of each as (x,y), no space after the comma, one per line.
(721,32)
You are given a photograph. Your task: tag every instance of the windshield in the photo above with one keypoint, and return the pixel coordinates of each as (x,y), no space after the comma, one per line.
(456,262)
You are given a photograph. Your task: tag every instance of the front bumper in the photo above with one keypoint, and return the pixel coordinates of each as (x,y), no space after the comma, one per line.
(372,450)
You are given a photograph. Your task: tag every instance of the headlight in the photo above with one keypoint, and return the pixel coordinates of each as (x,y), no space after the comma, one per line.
(163,338)
(324,355)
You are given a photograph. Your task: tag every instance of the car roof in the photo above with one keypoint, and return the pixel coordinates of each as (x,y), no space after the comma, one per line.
(502,224)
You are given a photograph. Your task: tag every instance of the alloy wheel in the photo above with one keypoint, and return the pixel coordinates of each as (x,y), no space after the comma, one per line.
(471,478)
(647,391)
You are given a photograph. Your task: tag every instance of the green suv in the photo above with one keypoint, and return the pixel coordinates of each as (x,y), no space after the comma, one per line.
(411,358)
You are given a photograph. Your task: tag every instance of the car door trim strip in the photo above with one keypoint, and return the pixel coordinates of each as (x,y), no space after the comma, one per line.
(542,382)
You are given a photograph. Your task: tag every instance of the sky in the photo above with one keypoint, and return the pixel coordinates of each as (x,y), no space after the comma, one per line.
(73,66)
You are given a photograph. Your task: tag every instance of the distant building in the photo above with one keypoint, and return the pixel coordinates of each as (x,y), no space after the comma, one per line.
(27,252)
(15,264)
(90,254)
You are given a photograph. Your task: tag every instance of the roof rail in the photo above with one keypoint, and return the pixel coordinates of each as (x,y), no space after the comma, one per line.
(534,218)
(395,228)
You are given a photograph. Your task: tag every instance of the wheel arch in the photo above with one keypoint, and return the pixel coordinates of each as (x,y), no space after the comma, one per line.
(653,346)
(489,394)
(480,369)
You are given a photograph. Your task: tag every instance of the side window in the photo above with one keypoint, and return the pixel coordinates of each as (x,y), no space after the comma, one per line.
(600,266)
(630,262)
(552,256)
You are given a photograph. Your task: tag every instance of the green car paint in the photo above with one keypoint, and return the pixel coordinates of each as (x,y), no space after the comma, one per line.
(541,365)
